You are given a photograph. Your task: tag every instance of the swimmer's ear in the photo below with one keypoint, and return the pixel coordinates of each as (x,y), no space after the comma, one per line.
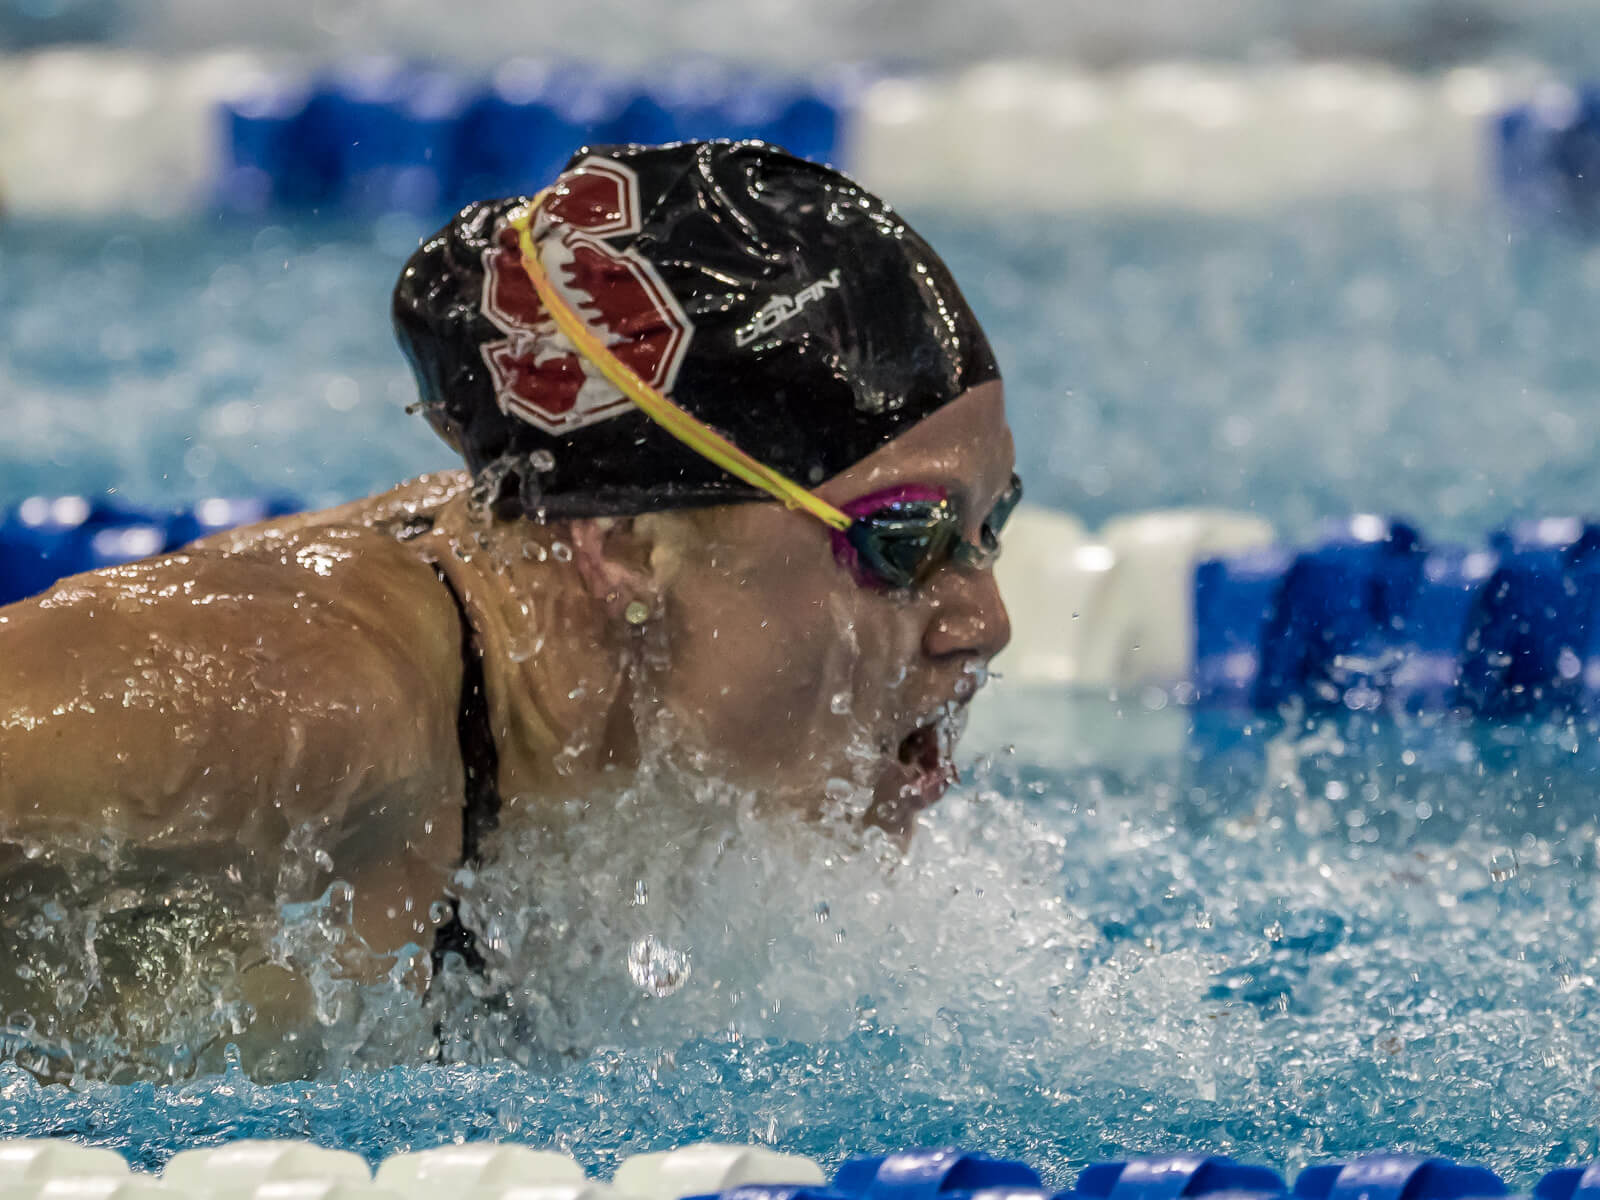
(613,560)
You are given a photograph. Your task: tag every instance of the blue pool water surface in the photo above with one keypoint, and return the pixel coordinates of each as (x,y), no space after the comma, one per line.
(1133,927)
(1405,358)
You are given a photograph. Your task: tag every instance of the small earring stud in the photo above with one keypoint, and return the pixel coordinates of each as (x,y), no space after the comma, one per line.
(637,612)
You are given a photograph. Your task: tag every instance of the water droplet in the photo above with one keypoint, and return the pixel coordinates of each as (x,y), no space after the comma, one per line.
(840,704)
(823,912)
(561,551)
(521,649)
(838,790)
(641,893)
(1503,866)
(656,967)
(542,460)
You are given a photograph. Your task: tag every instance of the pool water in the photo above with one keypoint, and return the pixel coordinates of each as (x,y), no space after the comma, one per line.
(1413,358)
(1134,926)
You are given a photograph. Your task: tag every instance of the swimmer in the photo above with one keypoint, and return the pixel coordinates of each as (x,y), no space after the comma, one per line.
(737,464)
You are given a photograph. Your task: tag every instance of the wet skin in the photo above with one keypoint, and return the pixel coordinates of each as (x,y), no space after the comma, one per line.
(778,651)
(299,682)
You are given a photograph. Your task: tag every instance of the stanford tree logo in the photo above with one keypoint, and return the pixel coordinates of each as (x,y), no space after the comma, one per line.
(538,376)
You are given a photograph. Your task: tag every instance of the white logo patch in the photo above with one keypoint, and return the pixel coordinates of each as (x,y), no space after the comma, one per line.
(782,309)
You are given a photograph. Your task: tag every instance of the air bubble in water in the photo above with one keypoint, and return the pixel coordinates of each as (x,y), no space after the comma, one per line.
(657,967)
(561,551)
(840,704)
(542,460)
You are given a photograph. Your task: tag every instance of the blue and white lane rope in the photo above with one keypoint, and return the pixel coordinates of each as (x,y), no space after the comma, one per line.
(1201,603)
(56,1169)
(99,132)
(1370,617)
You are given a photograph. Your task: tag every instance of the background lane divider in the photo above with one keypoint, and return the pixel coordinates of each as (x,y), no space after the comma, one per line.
(96,131)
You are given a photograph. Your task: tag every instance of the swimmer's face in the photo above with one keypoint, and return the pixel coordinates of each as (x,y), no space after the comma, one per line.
(786,674)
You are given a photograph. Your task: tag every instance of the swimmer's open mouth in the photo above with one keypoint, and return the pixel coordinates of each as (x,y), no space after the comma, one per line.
(925,747)
(924,768)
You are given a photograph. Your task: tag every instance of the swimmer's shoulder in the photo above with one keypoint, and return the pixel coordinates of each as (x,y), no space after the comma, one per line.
(370,558)
(317,657)
(334,601)
(357,567)
(399,514)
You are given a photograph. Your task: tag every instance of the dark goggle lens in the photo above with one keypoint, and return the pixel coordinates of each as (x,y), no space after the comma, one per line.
(902,544)
(1000,514)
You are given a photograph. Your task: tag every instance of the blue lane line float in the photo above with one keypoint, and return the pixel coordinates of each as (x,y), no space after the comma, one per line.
(1529,650)
(774,1191)
(931,1175)
(1396,1177)
(1234,599)
(1373,617)
(1426,671)
(1547,156)
(1319,624)
(1173,1176)
(220,513)
(379,135)
(44,539)
(47,538)
(1337,609)
(1570,1183)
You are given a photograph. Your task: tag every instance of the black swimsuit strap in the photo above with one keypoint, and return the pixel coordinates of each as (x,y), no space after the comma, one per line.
(480,761)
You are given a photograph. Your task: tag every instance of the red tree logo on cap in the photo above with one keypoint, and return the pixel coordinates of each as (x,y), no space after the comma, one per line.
(538,376)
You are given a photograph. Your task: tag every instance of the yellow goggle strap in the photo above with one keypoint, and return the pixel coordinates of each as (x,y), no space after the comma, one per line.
(693,433)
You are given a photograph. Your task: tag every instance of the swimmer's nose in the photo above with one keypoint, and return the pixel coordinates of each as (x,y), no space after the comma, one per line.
(969,618)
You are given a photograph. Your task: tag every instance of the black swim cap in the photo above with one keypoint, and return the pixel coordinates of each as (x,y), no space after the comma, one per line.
(774,299)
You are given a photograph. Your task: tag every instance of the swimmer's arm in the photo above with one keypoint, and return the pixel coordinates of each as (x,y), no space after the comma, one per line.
(222,702)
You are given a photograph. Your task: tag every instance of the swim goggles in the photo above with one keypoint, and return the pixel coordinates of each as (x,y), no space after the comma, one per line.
(896,543)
